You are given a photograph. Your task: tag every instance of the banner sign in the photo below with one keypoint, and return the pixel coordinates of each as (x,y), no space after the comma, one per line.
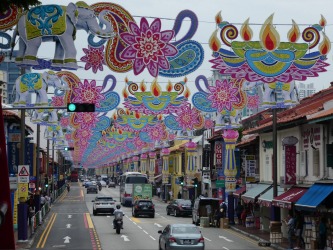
(142,191)
(290,165)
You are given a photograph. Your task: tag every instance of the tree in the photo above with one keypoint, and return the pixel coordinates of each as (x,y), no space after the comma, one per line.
(19,3)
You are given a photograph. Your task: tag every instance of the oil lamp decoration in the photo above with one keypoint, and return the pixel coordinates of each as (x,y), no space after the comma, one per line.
(270,59)
(230,137)
(184,121)
(155,101)
(227,98)
(133,121)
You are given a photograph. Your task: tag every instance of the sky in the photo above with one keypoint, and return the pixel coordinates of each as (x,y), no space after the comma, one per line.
(303,12)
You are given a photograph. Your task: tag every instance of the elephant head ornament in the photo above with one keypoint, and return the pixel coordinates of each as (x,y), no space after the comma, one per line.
(36,83)
(58,23)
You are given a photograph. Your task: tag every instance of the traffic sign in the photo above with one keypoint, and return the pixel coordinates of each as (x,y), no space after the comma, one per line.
(23,174)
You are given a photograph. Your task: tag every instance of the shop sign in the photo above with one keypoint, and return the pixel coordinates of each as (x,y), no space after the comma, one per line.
(218,154)
(311,136)
(290,165)
(220,183)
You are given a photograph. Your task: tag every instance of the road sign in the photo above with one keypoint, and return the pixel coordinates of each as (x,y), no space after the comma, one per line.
(13,183)
(23,174)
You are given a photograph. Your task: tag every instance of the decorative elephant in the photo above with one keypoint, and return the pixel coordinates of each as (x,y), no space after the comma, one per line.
(229,118)
(279,94)
(36,83)
(57,23)
(45,116)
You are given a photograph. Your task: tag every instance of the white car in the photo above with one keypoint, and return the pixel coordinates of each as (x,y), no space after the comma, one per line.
(103,204)
(103,183)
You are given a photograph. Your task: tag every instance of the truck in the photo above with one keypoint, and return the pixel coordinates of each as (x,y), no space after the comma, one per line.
(142,191)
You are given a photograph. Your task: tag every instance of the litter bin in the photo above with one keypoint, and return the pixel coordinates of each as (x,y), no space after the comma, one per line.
(204,221)
(224,223)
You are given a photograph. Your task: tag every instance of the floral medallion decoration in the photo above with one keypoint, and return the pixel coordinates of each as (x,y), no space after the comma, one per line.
(94,58)
(155,101)
(269,59)
(226,98)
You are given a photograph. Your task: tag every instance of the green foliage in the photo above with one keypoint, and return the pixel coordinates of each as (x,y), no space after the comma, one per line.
(25,4)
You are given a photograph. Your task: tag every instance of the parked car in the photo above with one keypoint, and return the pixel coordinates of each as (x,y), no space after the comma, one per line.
(179,207)
(143,207)
(181,236)
(200,209)
(87,184)
(103,204)
(112,184)
(92,189)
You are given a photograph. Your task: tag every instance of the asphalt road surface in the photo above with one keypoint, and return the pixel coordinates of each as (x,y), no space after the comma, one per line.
(71,225)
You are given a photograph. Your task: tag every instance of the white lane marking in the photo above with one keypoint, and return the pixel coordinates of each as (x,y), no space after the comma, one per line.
(145,231)
(207,239)
(139,227)
(157,214)
(156,224)
(152,237)
(134,223)
(69,216)
(225,248)
(67,238)
(225,238)
(68,225)
(163,217)
(125,237)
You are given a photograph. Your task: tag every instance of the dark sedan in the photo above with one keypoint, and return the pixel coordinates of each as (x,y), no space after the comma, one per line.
(92,189)
(143,207)
(179,207)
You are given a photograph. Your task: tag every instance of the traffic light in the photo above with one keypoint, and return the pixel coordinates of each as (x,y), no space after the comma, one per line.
(68,148)
(80,107)
(181,180)
(195,182)
(46,182)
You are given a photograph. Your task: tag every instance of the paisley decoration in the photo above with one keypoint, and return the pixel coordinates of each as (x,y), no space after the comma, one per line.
(120,19)
(269,59)
(103,123)
(10,18)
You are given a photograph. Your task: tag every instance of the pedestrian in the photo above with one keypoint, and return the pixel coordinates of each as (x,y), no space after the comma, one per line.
(243,216)
(179,195)
(31,208)
(239,210)
(209,212)
(158,192)
(171,195)
(299,223)
(42,200)
(223,209)
(290,223)
(322,233)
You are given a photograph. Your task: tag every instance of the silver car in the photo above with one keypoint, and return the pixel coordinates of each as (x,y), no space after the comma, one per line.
(181,236)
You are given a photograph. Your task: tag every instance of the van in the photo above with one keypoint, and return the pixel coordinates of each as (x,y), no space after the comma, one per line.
(200,209)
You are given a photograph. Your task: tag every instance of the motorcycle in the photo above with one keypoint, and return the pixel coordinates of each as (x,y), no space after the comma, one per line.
(119,225)
(99,187)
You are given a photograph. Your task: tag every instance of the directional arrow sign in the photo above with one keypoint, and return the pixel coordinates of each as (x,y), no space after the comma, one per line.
(68,226)
(67,238)
(156,224)
(125,237)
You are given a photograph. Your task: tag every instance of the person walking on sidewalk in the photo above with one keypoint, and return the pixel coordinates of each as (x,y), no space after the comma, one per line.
(290,223)
(299,222)
(322,233)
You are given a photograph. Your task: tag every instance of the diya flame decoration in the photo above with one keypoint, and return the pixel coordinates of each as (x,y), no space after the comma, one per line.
(155,101)
(269,59)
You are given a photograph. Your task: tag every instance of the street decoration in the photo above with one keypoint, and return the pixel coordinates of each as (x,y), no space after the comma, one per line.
(230,170)
(226,98)
(269,60)
(155,101)
(57,23)
(8,19)
(94,58)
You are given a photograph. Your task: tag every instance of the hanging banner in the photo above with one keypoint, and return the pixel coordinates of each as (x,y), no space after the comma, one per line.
(290,165)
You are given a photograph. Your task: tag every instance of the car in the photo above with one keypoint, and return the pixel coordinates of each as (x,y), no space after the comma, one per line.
(103,183)
(112,184)
(143,207)
(87,184)
(181,236)
(103,204)
(179,207)
(92,189)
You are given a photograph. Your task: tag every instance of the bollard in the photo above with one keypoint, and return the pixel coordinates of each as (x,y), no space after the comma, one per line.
(22,227)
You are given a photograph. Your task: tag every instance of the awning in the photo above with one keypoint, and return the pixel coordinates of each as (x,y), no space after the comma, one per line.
(316,194)
(239,191)
(253,193)
(286,199)
(267,197)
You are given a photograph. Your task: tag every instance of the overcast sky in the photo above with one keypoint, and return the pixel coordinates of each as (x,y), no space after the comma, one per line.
(304,12)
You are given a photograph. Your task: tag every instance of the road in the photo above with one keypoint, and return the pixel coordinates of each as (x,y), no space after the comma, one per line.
(71,225)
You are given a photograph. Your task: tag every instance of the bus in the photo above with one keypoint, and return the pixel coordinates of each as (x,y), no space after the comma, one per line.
(126,182)
(74,176)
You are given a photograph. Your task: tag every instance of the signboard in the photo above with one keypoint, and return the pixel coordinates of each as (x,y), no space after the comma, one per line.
(13,183)
(142,191)
(14,137)
(23,174)
(311,136)
(32,185)
(218,154)
(251,165)
(220,183)
(23,190)
(290,165)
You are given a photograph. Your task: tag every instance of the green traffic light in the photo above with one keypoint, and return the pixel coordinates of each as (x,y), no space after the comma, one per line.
(71,107)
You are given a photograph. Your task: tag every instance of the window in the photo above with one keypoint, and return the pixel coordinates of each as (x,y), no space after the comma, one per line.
(316,170)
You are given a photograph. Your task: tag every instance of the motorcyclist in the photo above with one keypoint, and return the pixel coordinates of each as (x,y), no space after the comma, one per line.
(118,214)
(99,186)
(68,187)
